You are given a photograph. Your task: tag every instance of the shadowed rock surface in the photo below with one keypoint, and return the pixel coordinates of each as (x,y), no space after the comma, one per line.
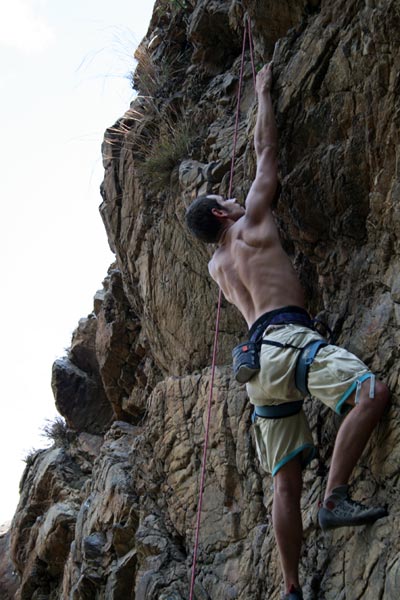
(109,512)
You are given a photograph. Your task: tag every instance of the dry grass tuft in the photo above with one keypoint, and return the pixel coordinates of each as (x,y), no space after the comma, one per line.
(155,129)
(174,143)
(57,431)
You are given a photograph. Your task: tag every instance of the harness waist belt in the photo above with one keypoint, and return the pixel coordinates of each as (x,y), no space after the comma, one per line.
(278,411)
(246,356)
(289,317)
(284,315)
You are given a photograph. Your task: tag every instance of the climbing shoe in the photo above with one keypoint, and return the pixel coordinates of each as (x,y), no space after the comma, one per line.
(339,510)
(293,594)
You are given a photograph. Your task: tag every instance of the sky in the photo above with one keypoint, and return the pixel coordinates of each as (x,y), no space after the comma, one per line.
(64,79)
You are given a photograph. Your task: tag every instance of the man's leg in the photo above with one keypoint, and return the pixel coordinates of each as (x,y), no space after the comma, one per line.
(355,432)
(286,517)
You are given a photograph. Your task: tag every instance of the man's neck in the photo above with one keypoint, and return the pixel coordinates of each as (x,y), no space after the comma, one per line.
(222,237)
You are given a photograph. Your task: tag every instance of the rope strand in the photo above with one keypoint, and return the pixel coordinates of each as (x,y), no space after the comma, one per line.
(203,470)
(247,28)
(251,46)
(235,134)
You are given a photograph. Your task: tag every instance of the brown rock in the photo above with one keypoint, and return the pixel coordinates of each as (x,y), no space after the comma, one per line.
(128,501)
(80,398)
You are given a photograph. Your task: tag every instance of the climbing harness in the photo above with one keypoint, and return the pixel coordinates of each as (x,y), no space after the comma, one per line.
(246,32)
(246,356)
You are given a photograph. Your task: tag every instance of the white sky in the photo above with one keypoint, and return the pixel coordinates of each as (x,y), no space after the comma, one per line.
(63,81)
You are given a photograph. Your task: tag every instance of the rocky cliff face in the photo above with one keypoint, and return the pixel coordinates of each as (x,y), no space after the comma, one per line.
(109,512)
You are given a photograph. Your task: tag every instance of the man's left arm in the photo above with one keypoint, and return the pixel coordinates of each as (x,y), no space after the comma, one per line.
(262,192)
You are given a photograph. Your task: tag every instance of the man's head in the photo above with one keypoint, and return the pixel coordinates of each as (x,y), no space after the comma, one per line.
(208,216)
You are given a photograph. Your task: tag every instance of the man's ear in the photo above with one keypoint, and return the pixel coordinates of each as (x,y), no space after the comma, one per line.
(219,212)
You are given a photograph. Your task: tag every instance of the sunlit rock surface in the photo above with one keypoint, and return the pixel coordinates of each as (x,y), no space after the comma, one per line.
(109,512)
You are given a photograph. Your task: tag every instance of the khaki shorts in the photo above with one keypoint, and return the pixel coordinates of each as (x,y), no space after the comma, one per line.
(332,378)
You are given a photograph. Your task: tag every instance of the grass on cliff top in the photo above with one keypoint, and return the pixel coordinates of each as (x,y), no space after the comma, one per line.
(56,432)
(157,76)
(160,134)
(159,141)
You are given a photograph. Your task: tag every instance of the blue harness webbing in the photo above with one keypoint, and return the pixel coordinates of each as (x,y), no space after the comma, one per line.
(304,362)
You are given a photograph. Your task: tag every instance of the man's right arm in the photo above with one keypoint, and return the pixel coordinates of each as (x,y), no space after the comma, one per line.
(262,191)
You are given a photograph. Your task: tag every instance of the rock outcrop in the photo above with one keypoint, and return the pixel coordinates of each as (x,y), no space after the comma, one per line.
(109,512)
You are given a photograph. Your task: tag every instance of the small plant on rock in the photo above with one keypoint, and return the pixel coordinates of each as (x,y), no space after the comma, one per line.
(57,431)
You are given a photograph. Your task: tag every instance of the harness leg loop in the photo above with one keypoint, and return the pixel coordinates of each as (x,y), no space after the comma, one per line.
(358,390)
(372,387)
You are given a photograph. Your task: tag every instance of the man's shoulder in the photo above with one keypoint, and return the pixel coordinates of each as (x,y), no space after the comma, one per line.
(251,230)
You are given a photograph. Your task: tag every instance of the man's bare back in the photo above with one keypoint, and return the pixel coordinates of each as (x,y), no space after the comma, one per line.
(252,269)
(250,265)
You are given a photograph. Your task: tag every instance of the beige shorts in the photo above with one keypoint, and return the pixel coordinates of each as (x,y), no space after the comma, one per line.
(332,378)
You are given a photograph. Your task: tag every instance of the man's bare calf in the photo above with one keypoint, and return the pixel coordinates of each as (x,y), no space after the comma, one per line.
(355,432)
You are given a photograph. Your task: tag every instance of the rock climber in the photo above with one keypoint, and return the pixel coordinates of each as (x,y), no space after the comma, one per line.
(256,275)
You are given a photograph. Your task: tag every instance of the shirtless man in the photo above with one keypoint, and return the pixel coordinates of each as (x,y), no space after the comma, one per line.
(256,275)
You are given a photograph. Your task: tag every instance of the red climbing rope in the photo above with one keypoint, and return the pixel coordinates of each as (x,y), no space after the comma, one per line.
(203,468)
(247,28)
(251,46)
(236,130)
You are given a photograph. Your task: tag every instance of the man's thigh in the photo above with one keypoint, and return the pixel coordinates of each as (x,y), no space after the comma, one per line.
(279,441)
(335,376)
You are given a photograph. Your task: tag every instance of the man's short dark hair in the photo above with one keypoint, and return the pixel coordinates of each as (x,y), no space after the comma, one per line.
(200,220)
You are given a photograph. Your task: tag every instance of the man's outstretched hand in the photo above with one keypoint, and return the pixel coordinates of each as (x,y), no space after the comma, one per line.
(264,79)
